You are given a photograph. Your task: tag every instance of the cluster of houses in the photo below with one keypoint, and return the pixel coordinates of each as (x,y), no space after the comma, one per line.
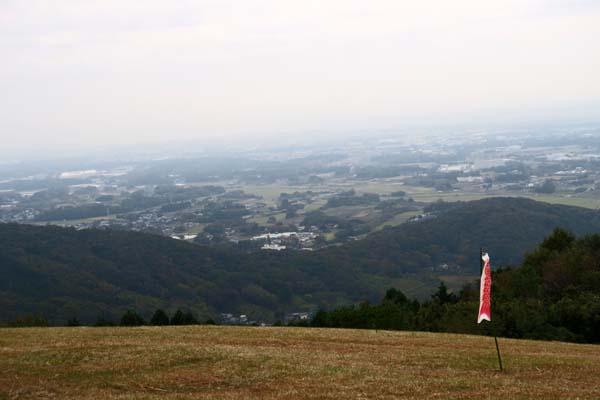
(298,317)
(239,319)
(287,240)
(27,214)
(243,319)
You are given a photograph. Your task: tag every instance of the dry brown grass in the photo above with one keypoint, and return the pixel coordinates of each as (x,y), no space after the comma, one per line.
(293,363)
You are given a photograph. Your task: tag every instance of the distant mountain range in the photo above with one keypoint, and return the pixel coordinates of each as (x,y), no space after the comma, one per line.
(63,273)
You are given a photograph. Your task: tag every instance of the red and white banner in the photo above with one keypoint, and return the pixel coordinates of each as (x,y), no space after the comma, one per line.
(485,290)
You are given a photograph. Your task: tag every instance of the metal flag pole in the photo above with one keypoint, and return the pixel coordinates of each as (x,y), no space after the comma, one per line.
(494,326)
(498,351)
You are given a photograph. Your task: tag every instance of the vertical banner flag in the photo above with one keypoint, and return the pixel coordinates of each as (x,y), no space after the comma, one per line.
(485,290)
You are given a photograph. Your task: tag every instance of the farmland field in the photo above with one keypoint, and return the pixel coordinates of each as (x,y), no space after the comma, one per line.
(271,192)
(292,363)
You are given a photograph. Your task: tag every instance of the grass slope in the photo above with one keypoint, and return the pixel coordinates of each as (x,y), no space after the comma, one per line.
(215,362)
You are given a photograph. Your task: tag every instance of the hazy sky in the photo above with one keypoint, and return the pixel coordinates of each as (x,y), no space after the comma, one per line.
(95,72)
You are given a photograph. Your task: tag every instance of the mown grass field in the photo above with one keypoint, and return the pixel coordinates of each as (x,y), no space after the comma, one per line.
(292,363)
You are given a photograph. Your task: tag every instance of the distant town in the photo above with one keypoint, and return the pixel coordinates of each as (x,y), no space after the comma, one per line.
(303,198)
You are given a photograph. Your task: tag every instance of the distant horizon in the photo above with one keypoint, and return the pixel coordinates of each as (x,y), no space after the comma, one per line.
(275,140)
(24,150)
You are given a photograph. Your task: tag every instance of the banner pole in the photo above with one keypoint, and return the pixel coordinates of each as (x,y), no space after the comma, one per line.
(498,351)
(480,260)
(495,337)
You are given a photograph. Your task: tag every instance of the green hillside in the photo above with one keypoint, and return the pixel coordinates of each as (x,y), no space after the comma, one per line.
(553,295)
(453,234)
(64,273)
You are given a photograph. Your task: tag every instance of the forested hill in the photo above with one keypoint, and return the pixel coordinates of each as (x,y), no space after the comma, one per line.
(553,295)
(63,273)
(453,233)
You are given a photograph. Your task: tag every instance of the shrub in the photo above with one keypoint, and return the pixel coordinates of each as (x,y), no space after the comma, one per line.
(159,318)
(29,320)
(131,318)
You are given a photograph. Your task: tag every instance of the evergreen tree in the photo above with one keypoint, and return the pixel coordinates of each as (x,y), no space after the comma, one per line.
(29,320)
(159,318)
(103,321)
(181,318)
(178,318)
(320,319)
(131,318)
(559,240)
(442,296)
(189,319)
(395,296)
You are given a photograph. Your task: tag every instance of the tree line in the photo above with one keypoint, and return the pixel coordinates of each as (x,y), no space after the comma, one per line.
(553,295)
(129,318)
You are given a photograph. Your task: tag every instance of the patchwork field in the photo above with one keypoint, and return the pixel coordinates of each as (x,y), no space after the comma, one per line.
(293,363)
(271,192)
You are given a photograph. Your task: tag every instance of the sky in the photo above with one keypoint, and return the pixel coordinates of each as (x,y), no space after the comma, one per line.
(79,74)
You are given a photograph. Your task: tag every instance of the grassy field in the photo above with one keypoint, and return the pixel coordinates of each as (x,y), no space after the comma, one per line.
(398,219)
(292,363)
(427,195)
